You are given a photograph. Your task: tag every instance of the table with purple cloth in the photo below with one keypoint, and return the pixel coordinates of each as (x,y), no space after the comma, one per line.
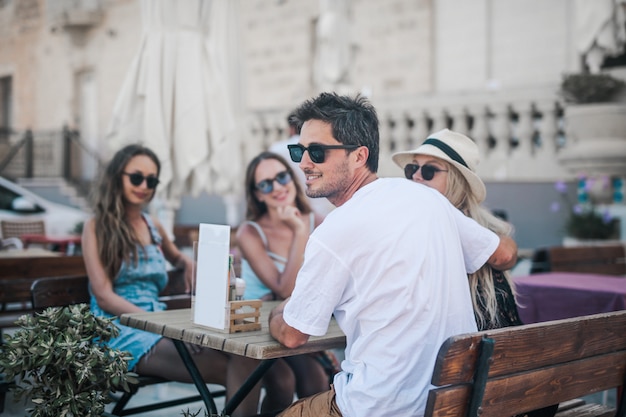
(559,295)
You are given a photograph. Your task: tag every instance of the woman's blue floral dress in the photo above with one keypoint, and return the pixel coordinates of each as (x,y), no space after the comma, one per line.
(141,285)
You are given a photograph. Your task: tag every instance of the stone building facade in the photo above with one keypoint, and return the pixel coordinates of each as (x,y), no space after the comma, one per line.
(490,68)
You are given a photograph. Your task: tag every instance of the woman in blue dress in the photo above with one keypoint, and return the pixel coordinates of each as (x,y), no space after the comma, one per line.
(125,253)
(278,223)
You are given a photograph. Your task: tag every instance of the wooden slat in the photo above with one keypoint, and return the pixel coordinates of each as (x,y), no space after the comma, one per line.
(39,267)
(15,290)
(608,260)
(570,340)
(588,410)
(59,291)
(521,392)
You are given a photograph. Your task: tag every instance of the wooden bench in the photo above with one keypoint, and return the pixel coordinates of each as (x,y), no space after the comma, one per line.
(18,274)
(606,260)
(511,371)
(63,291)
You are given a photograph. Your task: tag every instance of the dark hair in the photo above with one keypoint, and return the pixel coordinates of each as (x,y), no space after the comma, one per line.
(255,208)
(353,121)
(115,237)
(291,121)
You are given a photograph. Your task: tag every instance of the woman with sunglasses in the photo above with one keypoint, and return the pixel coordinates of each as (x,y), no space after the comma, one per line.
(272,240)
(125,253)
(446,161)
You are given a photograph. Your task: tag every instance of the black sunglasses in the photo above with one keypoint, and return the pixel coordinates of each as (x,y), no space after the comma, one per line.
(137,179)
(267,186)
(428,171)
(316,152)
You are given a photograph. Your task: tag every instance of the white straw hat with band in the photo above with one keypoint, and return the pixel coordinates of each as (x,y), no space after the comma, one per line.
(452,147)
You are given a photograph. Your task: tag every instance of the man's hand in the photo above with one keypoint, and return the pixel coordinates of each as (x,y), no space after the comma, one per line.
(281,331)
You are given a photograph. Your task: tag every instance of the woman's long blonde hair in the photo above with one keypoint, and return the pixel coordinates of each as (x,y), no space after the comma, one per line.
(117,241)
(460,195)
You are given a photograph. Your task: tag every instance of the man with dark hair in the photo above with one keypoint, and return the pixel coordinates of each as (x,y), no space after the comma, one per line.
(319,205)
(389,263)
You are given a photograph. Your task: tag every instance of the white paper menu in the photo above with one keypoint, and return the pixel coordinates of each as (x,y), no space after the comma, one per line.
(211,289)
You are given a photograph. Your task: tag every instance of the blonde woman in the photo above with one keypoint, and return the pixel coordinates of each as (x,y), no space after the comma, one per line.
(446,161)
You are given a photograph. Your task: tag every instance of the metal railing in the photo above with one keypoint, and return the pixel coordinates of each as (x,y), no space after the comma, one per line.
(47,154)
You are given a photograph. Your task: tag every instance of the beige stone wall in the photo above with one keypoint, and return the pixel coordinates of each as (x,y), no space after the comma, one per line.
(390,49)
(443,58)
(44,59)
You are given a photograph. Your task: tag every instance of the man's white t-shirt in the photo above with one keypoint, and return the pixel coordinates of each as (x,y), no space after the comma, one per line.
(391,264)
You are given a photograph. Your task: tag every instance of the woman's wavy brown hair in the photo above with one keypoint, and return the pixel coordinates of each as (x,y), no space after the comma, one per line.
(255,208)
(117,241)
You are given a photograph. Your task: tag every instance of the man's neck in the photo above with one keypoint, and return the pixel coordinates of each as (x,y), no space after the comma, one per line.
(360,180)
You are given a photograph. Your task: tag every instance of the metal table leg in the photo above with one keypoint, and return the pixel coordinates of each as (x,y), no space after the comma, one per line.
(247,386)
(196,377)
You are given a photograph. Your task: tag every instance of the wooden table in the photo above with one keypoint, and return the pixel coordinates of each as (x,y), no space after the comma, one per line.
(559,295)
(28,253)
(177,325)
(63,242)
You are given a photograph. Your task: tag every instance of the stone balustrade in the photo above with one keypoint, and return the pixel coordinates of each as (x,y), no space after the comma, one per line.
(520,133)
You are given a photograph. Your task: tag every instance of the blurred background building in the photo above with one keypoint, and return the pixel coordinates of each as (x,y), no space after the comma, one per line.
(208,84)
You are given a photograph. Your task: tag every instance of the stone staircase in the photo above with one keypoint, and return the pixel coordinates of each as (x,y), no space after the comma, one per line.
(57,190)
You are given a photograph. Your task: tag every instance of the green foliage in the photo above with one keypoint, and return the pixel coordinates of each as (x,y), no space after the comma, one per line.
(590,88)
(59,359)
(78,228)
(587,223)
(584,221)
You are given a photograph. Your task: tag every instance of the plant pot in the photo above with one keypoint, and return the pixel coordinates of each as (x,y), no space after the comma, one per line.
(596,138)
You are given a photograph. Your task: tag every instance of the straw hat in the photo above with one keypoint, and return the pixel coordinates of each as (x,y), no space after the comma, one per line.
(452,147)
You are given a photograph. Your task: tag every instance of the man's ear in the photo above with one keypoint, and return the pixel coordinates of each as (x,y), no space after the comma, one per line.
(360,155)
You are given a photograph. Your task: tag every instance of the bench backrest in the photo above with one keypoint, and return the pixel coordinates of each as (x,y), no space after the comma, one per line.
(36,267)
(607,260)
(17,275)
(513,370)
(59,291)
(63,291)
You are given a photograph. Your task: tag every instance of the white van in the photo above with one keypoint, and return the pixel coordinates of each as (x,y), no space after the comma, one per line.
(18,203)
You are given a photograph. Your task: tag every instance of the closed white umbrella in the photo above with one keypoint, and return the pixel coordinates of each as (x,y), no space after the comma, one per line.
(176,97)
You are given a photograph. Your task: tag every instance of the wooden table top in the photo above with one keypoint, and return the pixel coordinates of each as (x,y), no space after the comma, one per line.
(258,344)
(28,253)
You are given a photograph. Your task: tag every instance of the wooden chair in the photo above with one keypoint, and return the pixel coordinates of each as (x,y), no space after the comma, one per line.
(605,260)
(14,228)
(62,291)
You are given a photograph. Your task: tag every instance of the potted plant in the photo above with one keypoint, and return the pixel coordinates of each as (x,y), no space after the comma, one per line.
(585,222)
(595,124)
(59,360)
(585,88)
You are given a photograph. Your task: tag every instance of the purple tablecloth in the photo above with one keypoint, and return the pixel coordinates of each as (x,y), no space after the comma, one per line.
(560,295)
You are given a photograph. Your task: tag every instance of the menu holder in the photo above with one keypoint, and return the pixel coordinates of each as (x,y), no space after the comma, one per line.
(210,304)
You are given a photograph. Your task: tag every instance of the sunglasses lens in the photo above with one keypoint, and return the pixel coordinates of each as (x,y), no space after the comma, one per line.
(296,152)
(410,170)
(265,186)
(428,172)
(136,179)
(283,178)
(317,153)
(152,182)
